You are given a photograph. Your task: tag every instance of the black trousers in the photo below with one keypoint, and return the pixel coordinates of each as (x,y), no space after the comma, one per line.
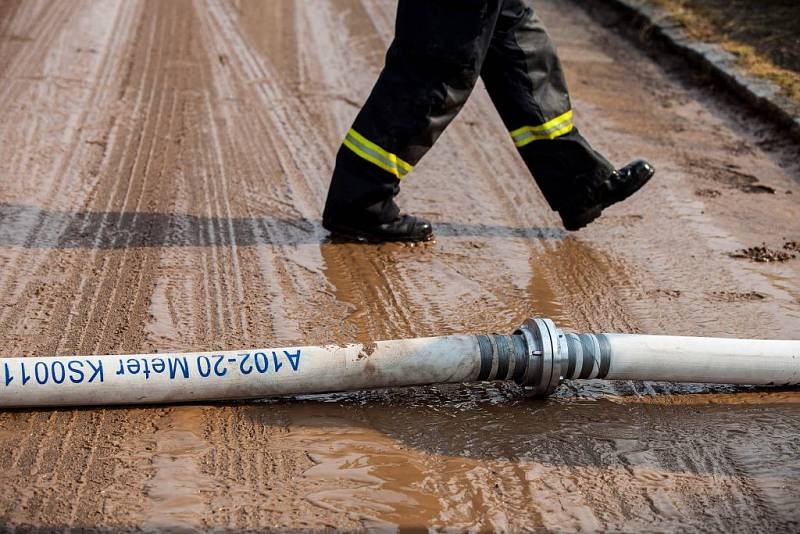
(439,50)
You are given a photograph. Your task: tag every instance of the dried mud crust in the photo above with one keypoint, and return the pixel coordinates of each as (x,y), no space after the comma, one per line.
(729,175)
(765,254)
(162,171)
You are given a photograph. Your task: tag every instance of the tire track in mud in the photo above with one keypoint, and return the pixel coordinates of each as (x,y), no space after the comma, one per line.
(281,218)
(99,296)
(125,270)
(285,269)
(231,159)
(39,229)
(63,458)
(141,160)
(222,321)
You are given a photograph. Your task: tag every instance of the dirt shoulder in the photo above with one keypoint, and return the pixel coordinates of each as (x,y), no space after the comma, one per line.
(739,50)
(762,34)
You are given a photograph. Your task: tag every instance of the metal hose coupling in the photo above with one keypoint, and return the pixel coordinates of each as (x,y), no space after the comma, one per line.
(552,356)
(537,355)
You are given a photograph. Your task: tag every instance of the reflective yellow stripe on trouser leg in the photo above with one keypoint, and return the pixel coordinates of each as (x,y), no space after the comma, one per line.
(371,152)
(549,130)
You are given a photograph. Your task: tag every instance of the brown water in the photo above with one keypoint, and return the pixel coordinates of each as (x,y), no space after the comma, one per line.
(162,171)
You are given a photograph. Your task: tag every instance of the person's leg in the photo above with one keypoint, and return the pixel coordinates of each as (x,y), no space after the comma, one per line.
(431,68)
(524,78)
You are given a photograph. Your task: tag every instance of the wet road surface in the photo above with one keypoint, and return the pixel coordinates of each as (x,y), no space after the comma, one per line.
(162,171)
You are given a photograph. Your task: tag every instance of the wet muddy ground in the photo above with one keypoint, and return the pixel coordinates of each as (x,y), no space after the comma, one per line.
(162,172)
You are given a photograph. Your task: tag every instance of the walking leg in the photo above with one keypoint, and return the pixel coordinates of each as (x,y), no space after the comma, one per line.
(524,78)
(431,68)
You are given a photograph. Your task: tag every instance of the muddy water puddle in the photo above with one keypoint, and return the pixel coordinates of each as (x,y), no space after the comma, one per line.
(174,493)
(400,291)
(478,457)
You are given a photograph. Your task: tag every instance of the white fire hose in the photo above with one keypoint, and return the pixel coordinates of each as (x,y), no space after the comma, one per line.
(538,355)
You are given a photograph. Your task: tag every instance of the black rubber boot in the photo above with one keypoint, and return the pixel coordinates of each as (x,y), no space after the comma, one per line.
(616,188)
(406,228)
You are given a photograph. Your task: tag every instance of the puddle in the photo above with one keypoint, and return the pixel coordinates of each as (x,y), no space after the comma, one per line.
(487,458)
(175,493)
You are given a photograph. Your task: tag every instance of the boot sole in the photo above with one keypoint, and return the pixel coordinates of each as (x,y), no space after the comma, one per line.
(352,234)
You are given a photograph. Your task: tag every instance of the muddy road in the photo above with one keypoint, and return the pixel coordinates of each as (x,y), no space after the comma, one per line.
(162,171)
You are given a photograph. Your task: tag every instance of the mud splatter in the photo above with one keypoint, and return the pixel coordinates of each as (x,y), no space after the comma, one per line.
(367,350)
(736,296)
(730,174)
(793,246)
(707,193)
(762,254)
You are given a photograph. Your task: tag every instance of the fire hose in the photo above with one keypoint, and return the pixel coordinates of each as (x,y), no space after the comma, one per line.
(538,355)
